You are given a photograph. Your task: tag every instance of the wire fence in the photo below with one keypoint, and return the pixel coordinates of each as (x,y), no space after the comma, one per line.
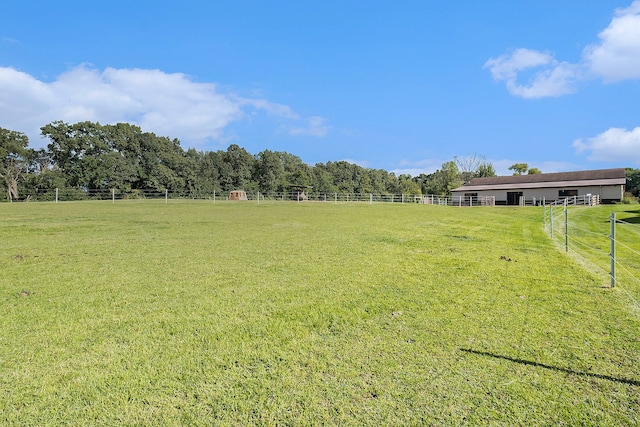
(607,246)
(76,194)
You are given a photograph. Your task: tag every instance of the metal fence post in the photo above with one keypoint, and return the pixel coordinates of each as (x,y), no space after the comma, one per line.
(612,220)
(566,228)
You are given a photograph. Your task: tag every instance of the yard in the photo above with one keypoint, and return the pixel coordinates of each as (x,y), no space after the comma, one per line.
(234,313)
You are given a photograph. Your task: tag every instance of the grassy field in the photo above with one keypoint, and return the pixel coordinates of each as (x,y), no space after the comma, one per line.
(589,232)
(195,313)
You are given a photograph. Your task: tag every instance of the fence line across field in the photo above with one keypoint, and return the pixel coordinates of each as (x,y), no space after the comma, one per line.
(620,262)
(72,194)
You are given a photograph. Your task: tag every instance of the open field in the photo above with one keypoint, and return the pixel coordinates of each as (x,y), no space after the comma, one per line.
(194,313)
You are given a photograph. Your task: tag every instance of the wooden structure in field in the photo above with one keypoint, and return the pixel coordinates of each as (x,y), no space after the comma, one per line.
(238,195)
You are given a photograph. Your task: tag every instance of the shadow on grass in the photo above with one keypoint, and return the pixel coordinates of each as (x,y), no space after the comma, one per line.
(553,368)
(632,219)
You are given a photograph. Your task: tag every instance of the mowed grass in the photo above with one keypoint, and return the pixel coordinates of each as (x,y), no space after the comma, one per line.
(589,233)
(195,313)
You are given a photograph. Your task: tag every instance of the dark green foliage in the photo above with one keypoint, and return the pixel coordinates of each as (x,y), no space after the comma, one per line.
(633,181)
(91,160)
(519,168)
(14,161)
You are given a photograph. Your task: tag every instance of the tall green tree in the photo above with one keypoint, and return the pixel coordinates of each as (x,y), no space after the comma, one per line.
(90,155)
(268,171)
(163,164)
(450,177)
(633,181)
(14,160)
(408,185)
(237,168)
(485,169)
(322,180)
(519,168)
(445,179)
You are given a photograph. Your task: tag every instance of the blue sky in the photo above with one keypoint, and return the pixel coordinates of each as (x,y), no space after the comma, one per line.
(396,85)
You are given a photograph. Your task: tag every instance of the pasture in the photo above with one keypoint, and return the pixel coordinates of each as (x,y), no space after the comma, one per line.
(195,313)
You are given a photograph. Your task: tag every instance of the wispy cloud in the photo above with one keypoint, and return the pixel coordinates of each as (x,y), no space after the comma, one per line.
(418,166)
(612,145)
(614,58)
(552,78)
(169,104)
(314,126)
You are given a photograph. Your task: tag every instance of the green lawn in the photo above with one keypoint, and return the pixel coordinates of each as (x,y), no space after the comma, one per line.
(195,313)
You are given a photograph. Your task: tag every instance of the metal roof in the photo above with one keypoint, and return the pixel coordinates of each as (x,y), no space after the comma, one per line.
(548,180)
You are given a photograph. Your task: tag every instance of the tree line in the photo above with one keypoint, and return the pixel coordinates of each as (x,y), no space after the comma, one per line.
(88,156)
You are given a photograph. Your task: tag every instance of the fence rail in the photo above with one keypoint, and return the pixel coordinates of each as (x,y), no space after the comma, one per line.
(74,194)
(608,246)
(71,194)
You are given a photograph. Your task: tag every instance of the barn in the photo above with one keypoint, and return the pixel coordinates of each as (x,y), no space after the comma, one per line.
(606,185)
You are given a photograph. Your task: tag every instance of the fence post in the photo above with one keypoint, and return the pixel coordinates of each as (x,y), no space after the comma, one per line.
(166,195)
(551,220)
(113,195)
(612,220)
(56,194)
(566,228)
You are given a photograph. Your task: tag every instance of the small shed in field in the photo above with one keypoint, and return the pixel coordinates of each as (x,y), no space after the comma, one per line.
(238,195)
(606,184)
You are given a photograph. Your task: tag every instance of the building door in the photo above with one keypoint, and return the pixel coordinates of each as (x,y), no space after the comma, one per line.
(513,197)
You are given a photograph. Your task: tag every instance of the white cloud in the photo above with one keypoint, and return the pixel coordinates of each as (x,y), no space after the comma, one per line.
(167,104)
(270,108)
(506,67)
(613,145)
(552,78)
(417,167)
(615,57)
(315,126)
